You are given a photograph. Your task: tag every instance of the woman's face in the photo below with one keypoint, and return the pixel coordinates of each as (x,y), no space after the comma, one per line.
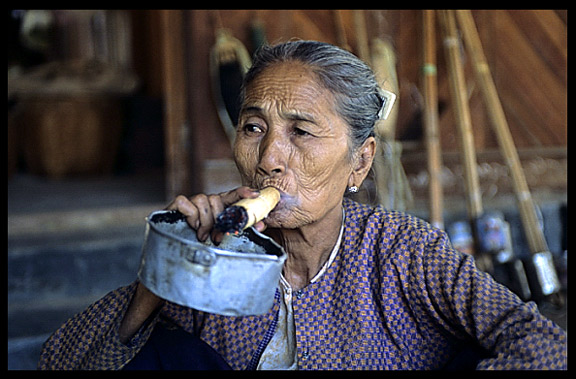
(290,137)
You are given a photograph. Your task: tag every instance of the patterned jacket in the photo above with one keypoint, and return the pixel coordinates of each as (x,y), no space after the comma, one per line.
(397,296)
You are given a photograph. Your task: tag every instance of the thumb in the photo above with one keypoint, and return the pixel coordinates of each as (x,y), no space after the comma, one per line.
(260,226)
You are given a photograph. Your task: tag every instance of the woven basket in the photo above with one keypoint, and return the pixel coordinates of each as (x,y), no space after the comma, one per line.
(69,135)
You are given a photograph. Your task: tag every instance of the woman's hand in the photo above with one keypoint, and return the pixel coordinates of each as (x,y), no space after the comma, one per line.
(202,210)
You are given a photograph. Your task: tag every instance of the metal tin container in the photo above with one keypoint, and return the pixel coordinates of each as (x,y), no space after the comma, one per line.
(236,278)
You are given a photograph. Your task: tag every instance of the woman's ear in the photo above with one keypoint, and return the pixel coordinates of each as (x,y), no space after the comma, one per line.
(363,159)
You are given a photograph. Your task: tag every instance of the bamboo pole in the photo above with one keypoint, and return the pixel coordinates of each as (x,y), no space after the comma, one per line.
(534,234)
(464,123)
(429,88)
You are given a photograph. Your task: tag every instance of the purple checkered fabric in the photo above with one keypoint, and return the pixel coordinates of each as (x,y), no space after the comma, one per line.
(397,296)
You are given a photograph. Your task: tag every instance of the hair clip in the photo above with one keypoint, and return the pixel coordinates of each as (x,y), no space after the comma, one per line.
(388,100)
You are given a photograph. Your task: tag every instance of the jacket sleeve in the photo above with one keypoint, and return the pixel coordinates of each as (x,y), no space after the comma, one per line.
(89,340)
(470,302)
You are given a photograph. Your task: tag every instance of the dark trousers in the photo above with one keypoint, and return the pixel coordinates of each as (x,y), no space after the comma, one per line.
(172,348)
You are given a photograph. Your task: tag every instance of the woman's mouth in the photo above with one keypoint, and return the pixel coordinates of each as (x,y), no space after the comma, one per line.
(286,200)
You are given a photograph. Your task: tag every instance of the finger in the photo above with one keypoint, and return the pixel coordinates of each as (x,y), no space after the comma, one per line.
(216,204)
(216,236)
(232,196)
(178,200)
(205,216)
(217,208)
(185,206)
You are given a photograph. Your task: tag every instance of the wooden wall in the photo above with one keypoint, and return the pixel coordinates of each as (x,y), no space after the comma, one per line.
(526,50)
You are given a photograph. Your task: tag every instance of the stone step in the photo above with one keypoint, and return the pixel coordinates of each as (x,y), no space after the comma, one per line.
(24,352)
(54,276)
(69,266)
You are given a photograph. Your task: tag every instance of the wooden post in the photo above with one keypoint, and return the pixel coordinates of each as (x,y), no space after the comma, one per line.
(176,128)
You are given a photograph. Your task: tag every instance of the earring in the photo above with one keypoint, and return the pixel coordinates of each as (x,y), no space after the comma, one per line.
(353,189)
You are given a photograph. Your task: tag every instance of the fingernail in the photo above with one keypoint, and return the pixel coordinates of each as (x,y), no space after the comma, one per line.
(216,237)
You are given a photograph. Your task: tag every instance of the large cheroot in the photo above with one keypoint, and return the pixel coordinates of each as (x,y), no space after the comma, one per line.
(246,212)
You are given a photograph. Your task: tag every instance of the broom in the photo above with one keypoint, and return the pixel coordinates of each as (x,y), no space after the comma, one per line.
(393,188)
(229,62)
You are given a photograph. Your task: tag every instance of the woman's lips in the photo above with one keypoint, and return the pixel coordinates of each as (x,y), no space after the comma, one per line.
(274,185)
(284,197)
(286,200)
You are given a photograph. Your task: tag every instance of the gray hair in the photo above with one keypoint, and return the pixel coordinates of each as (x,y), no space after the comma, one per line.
(358,99)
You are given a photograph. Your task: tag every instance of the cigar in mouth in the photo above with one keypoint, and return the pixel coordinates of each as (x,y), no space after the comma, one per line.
(246,212)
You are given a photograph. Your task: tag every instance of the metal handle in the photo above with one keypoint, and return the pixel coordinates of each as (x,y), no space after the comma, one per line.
(204,257)
(546,272)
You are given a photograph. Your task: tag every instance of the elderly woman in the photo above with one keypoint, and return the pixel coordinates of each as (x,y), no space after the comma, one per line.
(362,287)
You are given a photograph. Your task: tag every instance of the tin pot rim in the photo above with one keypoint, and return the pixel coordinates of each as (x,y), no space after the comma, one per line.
(214,248)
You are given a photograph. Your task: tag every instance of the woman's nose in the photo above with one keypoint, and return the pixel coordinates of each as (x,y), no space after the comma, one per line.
(272,156)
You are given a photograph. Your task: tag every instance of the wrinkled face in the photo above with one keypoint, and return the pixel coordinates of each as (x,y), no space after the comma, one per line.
(290,137)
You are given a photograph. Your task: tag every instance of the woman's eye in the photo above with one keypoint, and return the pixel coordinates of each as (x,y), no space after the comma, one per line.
(301,132)
(252,129)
